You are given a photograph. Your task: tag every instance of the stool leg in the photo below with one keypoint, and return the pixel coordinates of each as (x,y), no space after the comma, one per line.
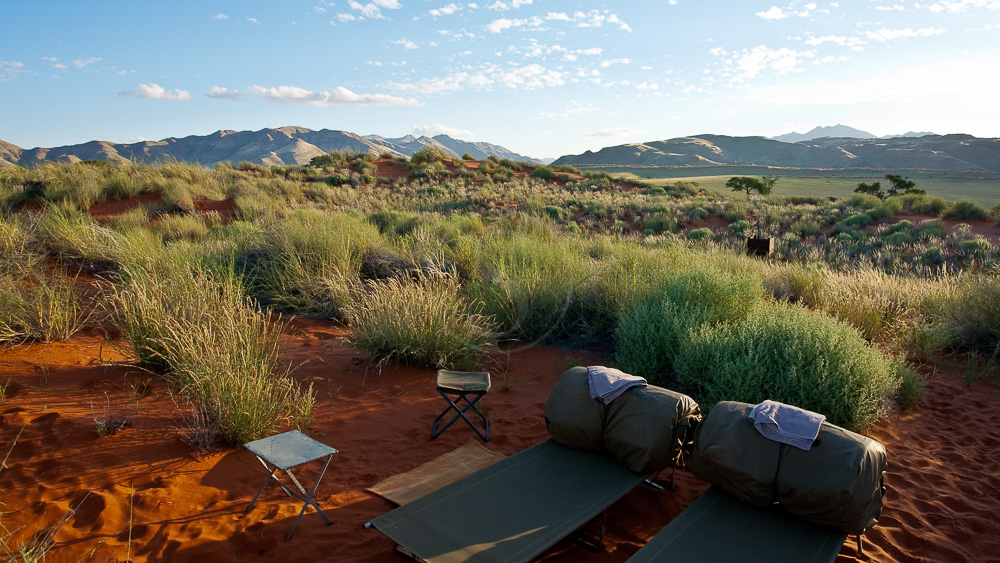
(262,487)
(308,498)
(460,413)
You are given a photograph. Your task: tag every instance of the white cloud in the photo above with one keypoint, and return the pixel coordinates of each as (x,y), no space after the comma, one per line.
(504,6)
(153,91)
(775,13)
(10,69)
(445,10)
(438,129)
(406,43)
(344,18)
(648,86)
(959,6)
(883,35)
(496,26)
(616,132)
(606,64)
(328,97)
(749,63)
(528,77)
(557,16)
(253,20)
(84,63)
(221,17)
(893,8)
(220,93)
(371,10)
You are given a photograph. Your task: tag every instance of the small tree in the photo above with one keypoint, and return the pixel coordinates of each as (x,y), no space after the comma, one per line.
(468,156)
(874,189)
(769,182)
(900,186)
(748,185)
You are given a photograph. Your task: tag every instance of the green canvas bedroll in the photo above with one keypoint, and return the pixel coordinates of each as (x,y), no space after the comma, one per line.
(513,510)
(838,483)
(647,428)
(719,528)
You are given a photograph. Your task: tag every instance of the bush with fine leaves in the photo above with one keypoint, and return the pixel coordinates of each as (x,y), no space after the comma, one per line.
(790,354)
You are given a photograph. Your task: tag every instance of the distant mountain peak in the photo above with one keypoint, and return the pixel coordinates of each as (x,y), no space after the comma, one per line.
(837,130)
(269,146)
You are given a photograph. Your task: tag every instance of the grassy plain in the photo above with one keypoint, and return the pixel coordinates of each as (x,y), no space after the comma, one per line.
(984,190)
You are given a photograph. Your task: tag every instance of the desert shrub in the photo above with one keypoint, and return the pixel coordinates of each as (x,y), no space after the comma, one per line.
(544,173)
(659,222)
(931,229)
(335,180)
(739,227)
(972,315)
(886,209)
(423,322)
(553,212)
(654,190)
(176,227)
(428,154)
(394,222)
(898,239)
(309,263)
(978,249)
(214,345)
(652,331)
(696,213)
(703,233)
(965,210)
(178,196)
(797,283)
(40,308)
(856,221)
(74,237)
(805,228)
(925,204)
(529,280)
(793,355)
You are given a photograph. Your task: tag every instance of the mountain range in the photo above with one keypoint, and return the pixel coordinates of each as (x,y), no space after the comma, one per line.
(840,131)
(285,145)
(930,152)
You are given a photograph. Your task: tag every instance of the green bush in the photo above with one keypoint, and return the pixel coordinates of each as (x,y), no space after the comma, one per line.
(966,210)
(336,180)
(544,173)
(651,333)
(792,355)
(425,322)
(703,233)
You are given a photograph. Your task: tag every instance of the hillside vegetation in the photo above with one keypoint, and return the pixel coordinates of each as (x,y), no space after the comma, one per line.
(194,264)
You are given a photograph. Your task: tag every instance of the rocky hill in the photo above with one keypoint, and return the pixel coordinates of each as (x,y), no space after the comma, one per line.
(930,152)
(286,145)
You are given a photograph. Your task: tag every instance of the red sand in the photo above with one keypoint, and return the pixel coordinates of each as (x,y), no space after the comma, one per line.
(149,498)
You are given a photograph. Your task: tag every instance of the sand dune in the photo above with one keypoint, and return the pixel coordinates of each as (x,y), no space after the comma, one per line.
(140,493)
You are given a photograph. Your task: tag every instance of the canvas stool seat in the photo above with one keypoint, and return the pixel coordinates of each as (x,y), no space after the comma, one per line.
(285,452)
(466,386)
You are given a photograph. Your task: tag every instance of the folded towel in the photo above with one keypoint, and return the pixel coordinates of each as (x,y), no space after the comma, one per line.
(786,424)
(606,384)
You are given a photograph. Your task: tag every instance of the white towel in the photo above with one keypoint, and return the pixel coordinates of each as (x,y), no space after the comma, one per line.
(787,424)
(606,384)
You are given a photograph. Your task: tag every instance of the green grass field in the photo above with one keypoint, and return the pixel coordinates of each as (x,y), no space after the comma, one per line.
(822,183)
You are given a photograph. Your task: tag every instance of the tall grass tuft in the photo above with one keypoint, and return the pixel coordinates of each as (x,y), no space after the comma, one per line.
(423,322)
(214,345)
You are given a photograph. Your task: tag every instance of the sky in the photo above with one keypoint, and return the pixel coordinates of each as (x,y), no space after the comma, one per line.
(543,78)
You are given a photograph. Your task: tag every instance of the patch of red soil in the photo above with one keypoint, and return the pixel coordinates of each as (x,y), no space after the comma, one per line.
(139,492)
(990,230)
(113,207)
(225,208)
(391,169)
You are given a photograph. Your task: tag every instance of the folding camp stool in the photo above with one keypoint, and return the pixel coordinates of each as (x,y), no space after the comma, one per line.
(462,384)
(284,452)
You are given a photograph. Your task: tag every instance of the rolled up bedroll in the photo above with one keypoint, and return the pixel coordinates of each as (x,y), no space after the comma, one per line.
(572,416)
(650,428)
(838,483)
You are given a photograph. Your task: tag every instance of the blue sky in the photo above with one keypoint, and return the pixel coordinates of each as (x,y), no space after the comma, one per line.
(541,77)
